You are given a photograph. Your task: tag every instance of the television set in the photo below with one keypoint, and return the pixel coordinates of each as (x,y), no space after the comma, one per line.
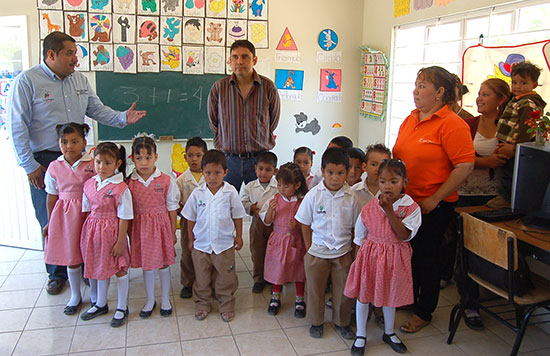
(531,184)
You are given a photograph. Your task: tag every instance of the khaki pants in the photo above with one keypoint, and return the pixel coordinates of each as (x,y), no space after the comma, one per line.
(317,272)
(215,271)
(187,275)
(259,234)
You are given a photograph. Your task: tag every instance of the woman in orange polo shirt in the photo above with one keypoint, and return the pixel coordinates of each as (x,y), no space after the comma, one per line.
(437,149)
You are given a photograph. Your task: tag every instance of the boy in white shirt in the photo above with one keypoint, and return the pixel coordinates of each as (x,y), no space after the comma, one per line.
(254,196)
(195,148)
(366,190)
(214,213)
(328,214)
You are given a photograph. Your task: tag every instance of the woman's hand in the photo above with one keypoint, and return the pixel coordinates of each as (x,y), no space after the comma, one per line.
(495,160)
(428,205)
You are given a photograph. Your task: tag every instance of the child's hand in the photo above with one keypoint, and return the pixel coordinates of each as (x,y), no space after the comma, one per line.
(118,250)
(292,223)
(273,204)
(45,230)
(385,203)
(496,160)
(238,242)
(254,209)
(507,149)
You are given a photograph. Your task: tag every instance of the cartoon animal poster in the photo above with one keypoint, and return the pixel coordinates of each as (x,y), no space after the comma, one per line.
(214,60)
(258,10)
(124,6)
(331,80)
(101,28)
(76,25)
(101,6)
(101,56)
(148,58)
(170,30)
(193,60)
(124,28)
(148,7)
(75,5)
(303,124)
(289,79)
(216,8)
(193,30)
(214,32)
(328,39)
(257,33)
(237,9)
(194,8)
(147,29)
(170,58)
(236,30)
(50,4)
(50,21)
(287,43)
(171,7)
(125,58)
(83,54)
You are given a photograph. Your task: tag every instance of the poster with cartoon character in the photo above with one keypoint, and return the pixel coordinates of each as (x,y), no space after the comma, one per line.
(214,32)
(237,9)
(50,4)
(124,28)
(194,8)
(290,83)
(193,60)
(148,7)
(125,58)
(216,8)
(83,54)
(236,30)
(148,58)
(214,60)
(101,28)
(193,30)
(50,21)
(258,33)
(74,5)
(170,58)
(171,7)
(330,88)
(124,6)
(147,29)
(303,124)
(101,6)
(101,56)
(258,10)
(170,29)
(76,25)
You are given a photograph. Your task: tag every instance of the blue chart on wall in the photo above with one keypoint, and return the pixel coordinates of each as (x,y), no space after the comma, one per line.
(289,79)
(328,39)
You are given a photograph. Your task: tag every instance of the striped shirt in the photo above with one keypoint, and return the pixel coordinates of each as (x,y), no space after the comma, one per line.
(242,125)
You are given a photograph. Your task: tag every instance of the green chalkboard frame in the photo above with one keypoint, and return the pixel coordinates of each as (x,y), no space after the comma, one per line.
(175,103)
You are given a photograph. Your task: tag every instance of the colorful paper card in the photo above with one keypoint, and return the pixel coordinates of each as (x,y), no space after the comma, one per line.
(237,9)
(148,7)
(74,5)
(216,8)
(214,32)
(83,54)
(50,21)
(125,58)
(124,7)
(287,43)
(76,25)
(170,30)
(101,28)
(148,58)
(443,2)
(171,8)
(214,59)
(102,56)
(148,29)
(50,4)
(401,7)
(258,10)
(193,30)
(236,30)
(193,60)
(289,79)
(124,28)
(170,58)
(193,8)
(374,87)
(422,4)
(102,6)
(331,80)
(258,33)
(328,39)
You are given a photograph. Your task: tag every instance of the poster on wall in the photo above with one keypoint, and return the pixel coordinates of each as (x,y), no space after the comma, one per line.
(422,4)
(374,87)
(330,89)
(83,55)
(401,7)
(443,2)
(290,83)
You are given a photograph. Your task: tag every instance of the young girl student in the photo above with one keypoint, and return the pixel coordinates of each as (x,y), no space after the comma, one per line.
(64,181)
(284,256)
(103,242)
(381,273)
(155,198)
(303,157)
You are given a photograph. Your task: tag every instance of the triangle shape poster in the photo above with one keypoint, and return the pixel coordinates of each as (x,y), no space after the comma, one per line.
(287,43)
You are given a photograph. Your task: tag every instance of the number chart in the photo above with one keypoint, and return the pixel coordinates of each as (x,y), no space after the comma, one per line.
(374,84)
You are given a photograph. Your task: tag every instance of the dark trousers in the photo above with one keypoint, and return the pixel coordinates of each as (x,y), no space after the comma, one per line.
(39,202)
(426,245)
(506,177)
(240,170)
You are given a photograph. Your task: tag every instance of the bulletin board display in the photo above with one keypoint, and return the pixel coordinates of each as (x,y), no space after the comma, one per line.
(374,86)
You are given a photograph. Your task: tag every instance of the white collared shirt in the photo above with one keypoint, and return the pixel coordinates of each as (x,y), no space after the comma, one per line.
(51,184)
(173,195)
(213,215)
(331,217)
(363,193)
(411,222)
(263,211)
(254,192)
(125,209)
(186,184)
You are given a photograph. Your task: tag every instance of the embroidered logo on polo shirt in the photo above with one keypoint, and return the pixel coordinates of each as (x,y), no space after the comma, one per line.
(81,91)
(88,169)
(108,195)
(159,188)
(425,140)
(201,203)
(321,210)
(47,96)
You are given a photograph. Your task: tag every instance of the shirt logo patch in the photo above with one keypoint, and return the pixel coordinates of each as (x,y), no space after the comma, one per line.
(47,97)
(201,203)
(81,92)
(425,140)
(88,169)
(321,210)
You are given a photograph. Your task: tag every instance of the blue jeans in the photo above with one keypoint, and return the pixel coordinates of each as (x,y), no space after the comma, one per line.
(38,197)
(240,170)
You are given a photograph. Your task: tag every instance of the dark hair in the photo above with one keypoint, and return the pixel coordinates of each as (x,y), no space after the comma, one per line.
(356,153)
(290,173)
(245,44)
(395,165)
(342,142)
(501,89)
(54,41)
(526,69)
(335,155)
(462,89)
(144,142)
(193,22)
(377,147)
(71,127)
(216,157)
(197,142)
(305,150)
(268,157)
(440,77)
(113,150)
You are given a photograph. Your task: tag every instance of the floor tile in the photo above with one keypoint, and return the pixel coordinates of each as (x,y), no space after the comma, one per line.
(244,298)
(534,339)
(152,331)
(6,267)
(212,326)
(306,345)
(402,316)
(219,346)
(480,343)
(10,254)
(30,255)
(172,349)
(44,342)
(543,352)
(98,337)
(47,300)
(18,299)
(184,306)
(432,345)
(13,319)
(32,266)
(108,352)
(50,317)
(8,342)
(24,281)
(245,280)
(273,343)
(255,319)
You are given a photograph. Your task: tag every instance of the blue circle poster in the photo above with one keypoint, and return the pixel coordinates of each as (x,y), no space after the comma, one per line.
(328,39)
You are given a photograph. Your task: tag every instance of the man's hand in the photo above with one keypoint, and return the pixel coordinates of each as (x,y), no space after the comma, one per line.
(36,178)
(133,116)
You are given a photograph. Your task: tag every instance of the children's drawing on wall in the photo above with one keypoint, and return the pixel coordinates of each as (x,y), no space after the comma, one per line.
(422,4)
(401,7)
(258,10)
(214,59)
(102,6)
(214,34)
(193,30)
(102,56)
(236,30)
(443,2)
(125,61)
(148,7)
(337,127)
(216,8)
(290,83)
(50,4)
(148,29)
(171,30)
(193,60)
(305,126)
(124,29)
(73,5)
(50,21)
(148,58)
(124,6)
(171,8)
(237,9)
(257,33)
(328,39)
(179,164)
(101,28)
(83,54)
(193,8)
(77,25)
(170,58)
(287,43)
(504,69)
(330,89)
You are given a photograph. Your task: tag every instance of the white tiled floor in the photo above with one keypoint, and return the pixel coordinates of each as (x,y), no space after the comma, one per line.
(32,323)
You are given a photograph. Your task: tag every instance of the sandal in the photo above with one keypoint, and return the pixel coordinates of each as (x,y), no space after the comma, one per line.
(413,325)
(274,305)
(201,314)
(227,316)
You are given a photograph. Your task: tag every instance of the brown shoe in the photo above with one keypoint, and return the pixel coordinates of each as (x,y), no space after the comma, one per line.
(55,286)
(413,325)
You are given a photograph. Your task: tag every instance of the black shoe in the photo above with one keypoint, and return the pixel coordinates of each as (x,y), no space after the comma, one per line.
(99,311)
(274,306)
(146,314)
(55,286)
(258,287)
(356,350)
(346,332)
(474,322)
(316,331)
(115,323)
(398,347)
(186,292)
(72,309)
(166,312)
(300,310)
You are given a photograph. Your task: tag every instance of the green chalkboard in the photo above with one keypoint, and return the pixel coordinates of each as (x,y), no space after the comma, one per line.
(175,103)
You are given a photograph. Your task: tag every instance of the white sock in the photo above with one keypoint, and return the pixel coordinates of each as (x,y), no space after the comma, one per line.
(164,275)
(471,312)
(93,290)
(74,282)
(102,290)
(361,316)
(149,281)
(389,320)
(123,286)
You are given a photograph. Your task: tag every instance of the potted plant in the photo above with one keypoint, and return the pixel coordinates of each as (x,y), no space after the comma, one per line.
(540,125)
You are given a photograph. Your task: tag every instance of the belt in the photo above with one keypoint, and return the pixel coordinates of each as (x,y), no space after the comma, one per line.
(244,155)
